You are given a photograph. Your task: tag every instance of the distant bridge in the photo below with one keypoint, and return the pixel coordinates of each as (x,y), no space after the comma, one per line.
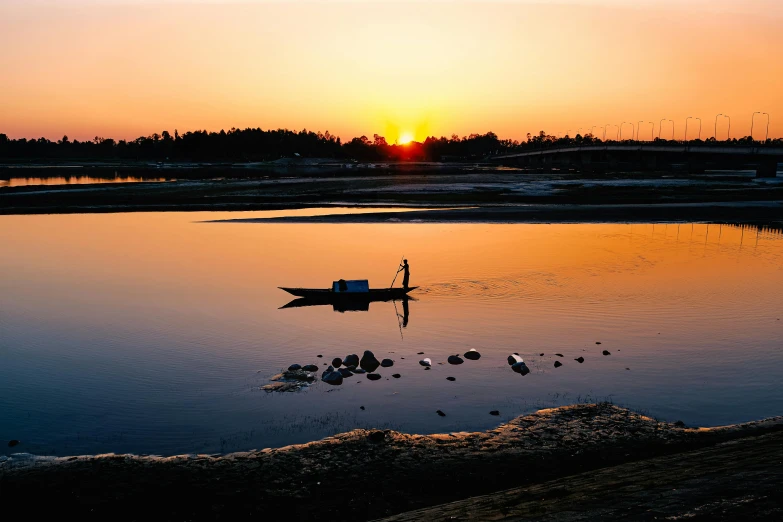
(764,160)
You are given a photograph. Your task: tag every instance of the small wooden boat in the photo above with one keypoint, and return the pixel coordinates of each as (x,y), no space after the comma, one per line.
(372,294)
(353,290)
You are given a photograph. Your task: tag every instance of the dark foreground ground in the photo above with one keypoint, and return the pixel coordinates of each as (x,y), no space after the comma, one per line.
(581,462)
(501,194)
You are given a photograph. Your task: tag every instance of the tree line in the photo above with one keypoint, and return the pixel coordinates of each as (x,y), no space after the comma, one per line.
(255,144)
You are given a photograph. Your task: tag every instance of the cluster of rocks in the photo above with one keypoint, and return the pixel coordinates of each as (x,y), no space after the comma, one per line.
(297,376)
(294,378)
(471,355)
(343,368)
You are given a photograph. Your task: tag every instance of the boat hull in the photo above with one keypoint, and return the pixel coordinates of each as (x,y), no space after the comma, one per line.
(328,296)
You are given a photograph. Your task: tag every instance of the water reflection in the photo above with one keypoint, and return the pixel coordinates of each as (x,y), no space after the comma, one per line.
(154,332)
(351,305)
(77,180)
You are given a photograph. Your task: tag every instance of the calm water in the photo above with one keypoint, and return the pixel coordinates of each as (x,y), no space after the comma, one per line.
(76,180)
(152,333)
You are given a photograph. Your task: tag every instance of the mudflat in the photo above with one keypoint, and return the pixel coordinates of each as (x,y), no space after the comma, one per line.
(506,195)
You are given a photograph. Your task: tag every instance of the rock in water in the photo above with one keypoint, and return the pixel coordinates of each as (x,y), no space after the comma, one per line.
(337,362)
(12,443)
(451,378)
(541,354)
(369,362)
(296,375)
(494,412)
(319,355)
(472,355)
(455,359)
(374,376)
(606,352)
(282,387)
(351,360)
(426,362)
(387,363)
(514,358)
(345,372)
(294,367)
(396,375)
(310,368)
(598,342)
(558,364)
(521,368)
(330,376)
(580,360)
(359,370)
(440,413)
(420,353)
(559,354)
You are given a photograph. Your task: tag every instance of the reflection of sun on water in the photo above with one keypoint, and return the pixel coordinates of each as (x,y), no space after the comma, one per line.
(405,138)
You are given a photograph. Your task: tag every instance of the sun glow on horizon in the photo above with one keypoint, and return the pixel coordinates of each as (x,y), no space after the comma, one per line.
(405,138)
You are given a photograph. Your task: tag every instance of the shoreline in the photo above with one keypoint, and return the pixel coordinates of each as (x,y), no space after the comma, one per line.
(361,474)
(760,213)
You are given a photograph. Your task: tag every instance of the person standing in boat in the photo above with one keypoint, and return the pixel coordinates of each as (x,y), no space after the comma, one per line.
(407,276)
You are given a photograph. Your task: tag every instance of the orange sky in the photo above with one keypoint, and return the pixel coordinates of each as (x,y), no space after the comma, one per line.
(124,68)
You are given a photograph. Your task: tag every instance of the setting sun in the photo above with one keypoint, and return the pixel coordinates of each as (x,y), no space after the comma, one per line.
(405,138)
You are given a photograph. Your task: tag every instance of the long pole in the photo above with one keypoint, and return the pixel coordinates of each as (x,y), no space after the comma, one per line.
(699,128)
(605,126)
(672,129)
(638,130)
(660,127)
(398,271)
(728,134)
(686,128)
(397,314)
(652,131)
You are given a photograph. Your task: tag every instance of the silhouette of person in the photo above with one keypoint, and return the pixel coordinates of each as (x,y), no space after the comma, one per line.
(405,313)
(407,276)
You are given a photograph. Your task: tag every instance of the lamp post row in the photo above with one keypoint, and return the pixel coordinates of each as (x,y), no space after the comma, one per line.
(637,129)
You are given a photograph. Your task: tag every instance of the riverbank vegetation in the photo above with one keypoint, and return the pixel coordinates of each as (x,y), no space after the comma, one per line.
(255,144)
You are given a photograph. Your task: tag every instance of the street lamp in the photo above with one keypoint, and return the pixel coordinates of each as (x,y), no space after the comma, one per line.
(621,129)
(660,127)
(672,129)
(686,129)
(591,130)
(716,126)
(699,127)
(652,131)
(605,126)
(728,133)
(766,136)
(751,124)
(638,130)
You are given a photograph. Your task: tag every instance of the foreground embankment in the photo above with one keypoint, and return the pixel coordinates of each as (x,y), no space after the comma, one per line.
(362,475)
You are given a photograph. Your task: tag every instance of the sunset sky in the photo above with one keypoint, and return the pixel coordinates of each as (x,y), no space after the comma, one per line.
(125,68)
